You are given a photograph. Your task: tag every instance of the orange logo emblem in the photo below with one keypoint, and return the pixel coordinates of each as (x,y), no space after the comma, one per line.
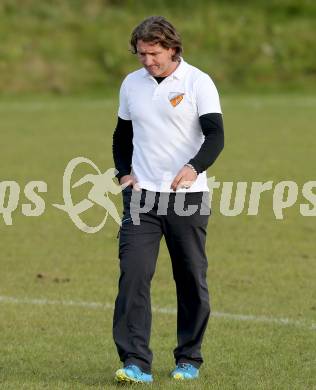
(175,98)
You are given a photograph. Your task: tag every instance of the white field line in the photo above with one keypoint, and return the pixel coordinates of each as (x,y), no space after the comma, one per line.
(163,310)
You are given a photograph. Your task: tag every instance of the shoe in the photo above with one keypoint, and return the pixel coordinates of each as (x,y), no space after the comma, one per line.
(132,374)
(185,371)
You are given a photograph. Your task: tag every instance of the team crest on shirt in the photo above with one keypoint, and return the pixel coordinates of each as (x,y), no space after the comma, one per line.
(175,98)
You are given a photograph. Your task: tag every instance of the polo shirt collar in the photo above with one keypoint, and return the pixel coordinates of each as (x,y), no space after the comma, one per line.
(177,74)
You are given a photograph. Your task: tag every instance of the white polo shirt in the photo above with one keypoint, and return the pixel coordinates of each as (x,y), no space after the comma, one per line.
(165,118)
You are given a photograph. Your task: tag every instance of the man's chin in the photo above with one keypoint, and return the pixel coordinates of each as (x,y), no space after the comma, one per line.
(154,73)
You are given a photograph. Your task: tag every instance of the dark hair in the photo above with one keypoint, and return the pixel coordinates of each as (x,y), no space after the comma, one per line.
(157,29)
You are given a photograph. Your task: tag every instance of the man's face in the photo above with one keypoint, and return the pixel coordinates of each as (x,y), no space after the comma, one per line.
(156,59)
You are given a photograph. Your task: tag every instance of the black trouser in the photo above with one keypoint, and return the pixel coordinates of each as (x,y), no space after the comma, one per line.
(138,251)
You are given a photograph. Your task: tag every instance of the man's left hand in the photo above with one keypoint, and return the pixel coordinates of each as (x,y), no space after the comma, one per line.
(184,179)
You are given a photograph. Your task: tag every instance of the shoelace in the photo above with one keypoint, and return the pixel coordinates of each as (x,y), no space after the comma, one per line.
(185,366)
(135,368)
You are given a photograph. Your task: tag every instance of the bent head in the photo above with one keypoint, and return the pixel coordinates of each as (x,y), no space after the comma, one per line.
(157,45)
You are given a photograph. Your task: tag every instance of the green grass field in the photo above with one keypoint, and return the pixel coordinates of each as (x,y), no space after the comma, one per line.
(259,267)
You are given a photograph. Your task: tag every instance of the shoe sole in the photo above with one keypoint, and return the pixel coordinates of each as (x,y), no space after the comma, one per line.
(121,377)
(180,377)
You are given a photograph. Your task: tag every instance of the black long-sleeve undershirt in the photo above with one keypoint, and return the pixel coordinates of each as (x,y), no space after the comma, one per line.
(122,147)
(212,128)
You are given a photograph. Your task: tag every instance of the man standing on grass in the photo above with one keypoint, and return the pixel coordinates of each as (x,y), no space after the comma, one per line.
(169,131)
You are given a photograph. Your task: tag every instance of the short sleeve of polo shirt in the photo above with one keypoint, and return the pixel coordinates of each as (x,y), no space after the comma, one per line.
(123,111)
(206,95)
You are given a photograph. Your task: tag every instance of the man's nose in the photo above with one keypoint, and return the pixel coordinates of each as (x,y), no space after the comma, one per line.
(147,61)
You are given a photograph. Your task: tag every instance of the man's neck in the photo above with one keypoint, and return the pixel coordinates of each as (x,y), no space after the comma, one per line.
(173,68)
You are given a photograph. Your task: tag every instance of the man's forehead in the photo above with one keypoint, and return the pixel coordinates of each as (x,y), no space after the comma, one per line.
(149,47)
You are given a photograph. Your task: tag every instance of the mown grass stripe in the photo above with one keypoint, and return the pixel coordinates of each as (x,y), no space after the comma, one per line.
(255,101)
